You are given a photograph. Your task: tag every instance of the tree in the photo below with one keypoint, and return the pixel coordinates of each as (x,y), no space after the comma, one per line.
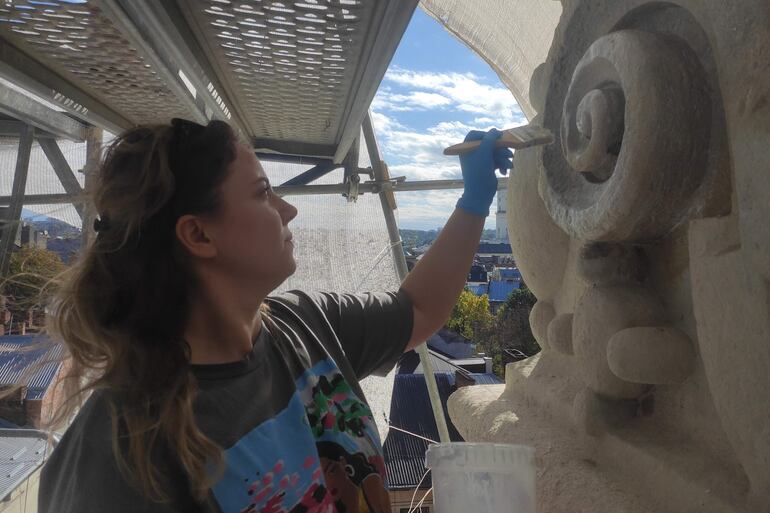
(31,270)
(470,315)
(514,320)
(510,329)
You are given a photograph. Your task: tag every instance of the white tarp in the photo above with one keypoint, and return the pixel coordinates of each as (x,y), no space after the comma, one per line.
(339,246)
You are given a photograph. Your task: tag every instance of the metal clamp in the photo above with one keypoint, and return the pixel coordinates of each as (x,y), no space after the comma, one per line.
(352,182)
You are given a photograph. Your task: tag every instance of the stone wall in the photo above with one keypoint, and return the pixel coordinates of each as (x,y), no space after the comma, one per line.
(644,232)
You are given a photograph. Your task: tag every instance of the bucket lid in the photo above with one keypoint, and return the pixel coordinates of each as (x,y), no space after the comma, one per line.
(487,456)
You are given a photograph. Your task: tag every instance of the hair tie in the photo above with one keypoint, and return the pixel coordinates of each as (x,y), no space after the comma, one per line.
(101,224)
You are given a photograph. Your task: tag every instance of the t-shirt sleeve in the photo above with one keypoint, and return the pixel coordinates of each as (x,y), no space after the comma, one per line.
(373,328)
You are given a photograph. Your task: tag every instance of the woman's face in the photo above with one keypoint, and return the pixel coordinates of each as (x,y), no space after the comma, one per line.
(251,231)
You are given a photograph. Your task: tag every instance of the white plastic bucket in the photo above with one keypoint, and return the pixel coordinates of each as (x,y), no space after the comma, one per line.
(482,477)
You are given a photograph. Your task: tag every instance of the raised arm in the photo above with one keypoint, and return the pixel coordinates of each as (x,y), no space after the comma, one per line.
(439,277)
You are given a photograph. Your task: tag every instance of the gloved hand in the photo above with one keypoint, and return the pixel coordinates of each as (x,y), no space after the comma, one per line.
(478,167)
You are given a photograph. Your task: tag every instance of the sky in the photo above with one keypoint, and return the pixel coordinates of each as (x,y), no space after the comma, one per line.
(435,90)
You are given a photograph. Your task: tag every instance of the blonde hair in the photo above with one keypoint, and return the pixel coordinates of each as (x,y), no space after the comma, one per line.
(122,308)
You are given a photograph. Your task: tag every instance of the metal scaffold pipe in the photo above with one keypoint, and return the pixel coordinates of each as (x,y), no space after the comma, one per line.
(398,256)
(377,186)
(374,187)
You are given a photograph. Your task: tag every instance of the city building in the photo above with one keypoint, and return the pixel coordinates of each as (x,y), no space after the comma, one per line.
(477,275)
(494,249)
(34,362)
(29,236)
(508,274)
(501,217)
(498,293)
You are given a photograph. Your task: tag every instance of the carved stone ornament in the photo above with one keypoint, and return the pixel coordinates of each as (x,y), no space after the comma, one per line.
(634,135)
(644,233)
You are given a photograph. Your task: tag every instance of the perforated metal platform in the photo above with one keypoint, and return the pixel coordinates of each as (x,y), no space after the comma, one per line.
(295,76)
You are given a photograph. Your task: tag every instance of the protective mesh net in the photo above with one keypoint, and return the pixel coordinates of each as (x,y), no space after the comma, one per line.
(513,36)
(41,177)
(342,247)
(339,246)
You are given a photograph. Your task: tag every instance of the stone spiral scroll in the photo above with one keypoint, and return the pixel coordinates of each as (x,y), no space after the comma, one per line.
(634,135)
(592,131)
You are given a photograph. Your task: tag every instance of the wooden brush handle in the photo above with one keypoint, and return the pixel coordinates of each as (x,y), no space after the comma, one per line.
(515,138)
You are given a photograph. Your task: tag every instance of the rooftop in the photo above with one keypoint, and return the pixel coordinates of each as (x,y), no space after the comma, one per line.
(486,248)
(409,363)
(410,410)
(509,273)
(500,290)
(22,451)
(18,355)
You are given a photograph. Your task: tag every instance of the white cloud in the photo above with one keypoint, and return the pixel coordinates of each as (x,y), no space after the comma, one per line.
(426,99)
(462,91)
(426,210)
(449,129)
(427,171)
(460,102)
(412,101)
(418,154)
(456,95)
(384,125)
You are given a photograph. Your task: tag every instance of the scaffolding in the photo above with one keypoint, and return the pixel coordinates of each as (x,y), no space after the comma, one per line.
(293,78)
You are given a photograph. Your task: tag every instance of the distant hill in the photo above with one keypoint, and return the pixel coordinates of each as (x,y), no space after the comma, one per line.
(66,248)
(54,227)
(417,238)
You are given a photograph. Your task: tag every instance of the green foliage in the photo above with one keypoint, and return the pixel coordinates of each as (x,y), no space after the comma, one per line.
(509,329)
(417,238)
(470,315)
(519,300)
(30,272)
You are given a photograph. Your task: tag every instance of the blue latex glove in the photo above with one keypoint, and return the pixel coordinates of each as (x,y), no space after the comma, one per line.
(478,168)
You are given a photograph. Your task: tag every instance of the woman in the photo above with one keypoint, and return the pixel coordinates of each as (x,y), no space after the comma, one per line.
(209,395)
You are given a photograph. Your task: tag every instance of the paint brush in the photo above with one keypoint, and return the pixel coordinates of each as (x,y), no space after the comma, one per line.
(514,138)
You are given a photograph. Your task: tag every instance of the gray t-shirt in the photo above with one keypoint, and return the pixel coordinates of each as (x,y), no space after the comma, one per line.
(297,433)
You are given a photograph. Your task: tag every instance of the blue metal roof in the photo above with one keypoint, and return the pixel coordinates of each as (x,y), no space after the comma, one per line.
(500,290)
(410,410)
(510,273)
(479,290)
(20,354)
